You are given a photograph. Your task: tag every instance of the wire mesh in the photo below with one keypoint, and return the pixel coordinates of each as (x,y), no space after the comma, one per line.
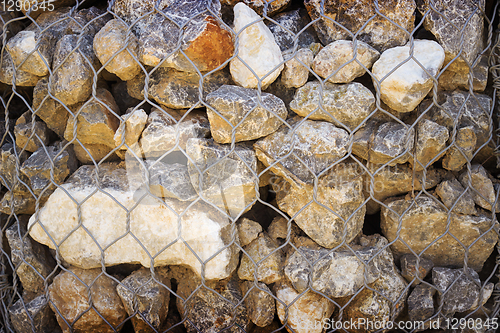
(263,166)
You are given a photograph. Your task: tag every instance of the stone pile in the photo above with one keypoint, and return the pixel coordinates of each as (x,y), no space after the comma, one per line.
(249,165)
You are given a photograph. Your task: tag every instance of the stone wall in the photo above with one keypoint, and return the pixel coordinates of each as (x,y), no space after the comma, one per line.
(248,166)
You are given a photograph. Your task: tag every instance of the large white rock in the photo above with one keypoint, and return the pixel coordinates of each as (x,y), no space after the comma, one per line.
(408,84)
(153,224)
(257,50)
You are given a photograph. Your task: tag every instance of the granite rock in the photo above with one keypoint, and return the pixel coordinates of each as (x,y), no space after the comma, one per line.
(426,217)
(33,315)
(455,197)
(245,112)
(131,10)
(155,224)
(223,176)
(257,51)
(105,309)
(170,181)
(391,144)
(337,62)
(259,302)
(409,270)
(421,303)
(344,105)
(481,187)
(296,71)
(379,32)
(288,25)
(407,85)
(314,146)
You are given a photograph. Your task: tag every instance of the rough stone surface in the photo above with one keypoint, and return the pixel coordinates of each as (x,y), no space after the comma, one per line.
(259,303)
(465,144)
(336,274)
(264,253)
(131,127)
(430,143)
(248,230)
(296,71)
(30,134)
(260,5)
(147,295)
(97,121)
(33,262)
(340,193)
(392,143)
(428,219)
(23,314)
(16,203)
(344,105)
(170,181)
(223,176)
(155,225)
(288,25)
(332,62)
(73,302)
(307,312)
(163,128)
(457,75)
(32,58)
(107,44)
(72,75)
(257,50)
(453,194)
(405,87)
(353,15)
(206,310)
(11,176)
(180,90)
(465,292)
(409,268)
(244,112)
(131,10)
(387,299)
(40,11)
(23,78)
(93,153)
(481,187)
(315,146)
(421,303)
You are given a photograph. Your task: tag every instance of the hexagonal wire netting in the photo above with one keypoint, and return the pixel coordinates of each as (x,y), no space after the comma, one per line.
(159,175)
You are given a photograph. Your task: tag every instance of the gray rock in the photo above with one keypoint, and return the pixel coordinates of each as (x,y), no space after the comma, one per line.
(270,8)
(296,71)
(205,310)
(33,316)
(259,302)
(32,261)
(132,124)
(353,15)
(480,186)
(391,144)
(8,71)
(37,12)
(303,151)
(344,105)
(10,174)
(32,51)
(452,194)
(12,28)
(334,212)
(131,10)
(73,65)
(458,289)
(430,144)
(180,90)
(262,261)
(288,25)
(170,181)
(464,144)
(336,273)
(337,62)
(223,176)
(421,303)
(457,75)
(146,298)
(87,21)
(402,219)
(166,130)
(246,112)
(409,270)
(248,230)
(30,134)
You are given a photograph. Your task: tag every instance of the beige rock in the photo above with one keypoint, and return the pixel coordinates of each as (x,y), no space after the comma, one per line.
(391,144)
(131,127)
(407,85)
(328,217)
(69,299)
(257,51)
(344,105)
(27,55)
(307,312)
(464,144)
(107,45)
(259,302)
(425,217)
(480,186)
(248,230)
(22,78)
(430,144)
(97,121)
(336,61)
(263,260)
(169,180)
(31,134)
(296,71)
(154,224)
(453,195)
(273,6)
(93,153)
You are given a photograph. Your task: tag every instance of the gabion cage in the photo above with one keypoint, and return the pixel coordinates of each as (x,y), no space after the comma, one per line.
(249,166)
